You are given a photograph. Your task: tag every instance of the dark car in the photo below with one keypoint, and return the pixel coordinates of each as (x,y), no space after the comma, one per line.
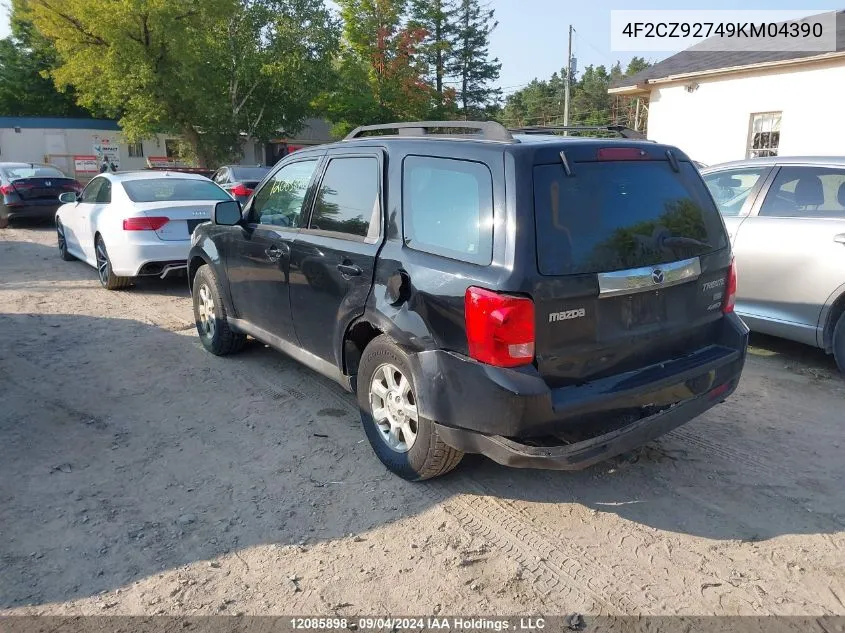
(546,301)
(31,190)
(239,180)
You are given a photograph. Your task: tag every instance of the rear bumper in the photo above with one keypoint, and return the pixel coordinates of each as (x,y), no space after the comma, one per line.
(27,209)
(515,419)
(141,256)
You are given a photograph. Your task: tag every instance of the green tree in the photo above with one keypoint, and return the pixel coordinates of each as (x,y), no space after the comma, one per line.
(26,60)
(210,70)
(437,19)
(381,75)
(471,65)
(541,102)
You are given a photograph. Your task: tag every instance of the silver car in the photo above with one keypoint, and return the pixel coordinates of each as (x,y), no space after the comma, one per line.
(786,221)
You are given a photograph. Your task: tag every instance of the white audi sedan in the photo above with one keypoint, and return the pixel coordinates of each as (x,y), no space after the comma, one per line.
(135,224)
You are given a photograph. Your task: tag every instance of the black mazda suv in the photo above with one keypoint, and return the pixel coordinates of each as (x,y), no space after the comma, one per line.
(548,301)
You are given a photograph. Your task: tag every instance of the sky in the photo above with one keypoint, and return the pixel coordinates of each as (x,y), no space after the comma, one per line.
(530,40)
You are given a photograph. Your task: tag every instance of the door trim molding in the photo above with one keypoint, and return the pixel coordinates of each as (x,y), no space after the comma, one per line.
(303,356)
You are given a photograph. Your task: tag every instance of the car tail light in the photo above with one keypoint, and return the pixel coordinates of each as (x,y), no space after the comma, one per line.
(7,189)
(730,290)
(500,327)
(144,223)
(72,186)
(241,190)
(621,153)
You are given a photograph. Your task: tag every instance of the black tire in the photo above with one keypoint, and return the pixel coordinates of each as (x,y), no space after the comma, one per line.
(62,242)
(4,221)
(839,343)
(108,279)
(215,334)
(429,456)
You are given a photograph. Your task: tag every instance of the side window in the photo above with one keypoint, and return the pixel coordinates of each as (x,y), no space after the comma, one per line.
(279,201)
(731,189)
(348,201)
(91,191)
(447,208)
(104,194)
(806,192)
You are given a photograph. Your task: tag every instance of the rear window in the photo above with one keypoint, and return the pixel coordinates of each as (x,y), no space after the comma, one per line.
(173,190)
(448,208)
(249,173)
(32,171)
(620,215)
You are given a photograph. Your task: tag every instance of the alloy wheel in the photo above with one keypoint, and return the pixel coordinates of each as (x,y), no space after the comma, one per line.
(103,267)
(205,309)
(394,408)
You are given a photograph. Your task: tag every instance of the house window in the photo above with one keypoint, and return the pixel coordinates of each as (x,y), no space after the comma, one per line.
(136,150)
(763,135)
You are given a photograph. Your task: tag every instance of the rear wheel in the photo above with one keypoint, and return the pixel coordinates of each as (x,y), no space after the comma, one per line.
(108,279)
(62,242)
(4,221)
(210,316)
(407,443)
(839,343)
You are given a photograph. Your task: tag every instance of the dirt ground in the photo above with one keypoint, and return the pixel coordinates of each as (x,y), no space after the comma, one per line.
(141,475)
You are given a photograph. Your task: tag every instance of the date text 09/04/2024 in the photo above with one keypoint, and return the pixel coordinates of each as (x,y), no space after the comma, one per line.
(417,623)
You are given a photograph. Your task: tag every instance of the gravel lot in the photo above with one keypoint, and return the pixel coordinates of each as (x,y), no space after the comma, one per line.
(141,475)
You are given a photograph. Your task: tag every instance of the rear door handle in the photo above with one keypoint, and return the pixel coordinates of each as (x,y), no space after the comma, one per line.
(349,270)
(839,238)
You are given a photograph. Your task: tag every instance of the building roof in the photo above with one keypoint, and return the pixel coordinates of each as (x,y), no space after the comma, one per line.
(691,62)
(58,123)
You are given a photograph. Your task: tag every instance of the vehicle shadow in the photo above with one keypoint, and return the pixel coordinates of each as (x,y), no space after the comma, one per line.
(128,450)
(21,255)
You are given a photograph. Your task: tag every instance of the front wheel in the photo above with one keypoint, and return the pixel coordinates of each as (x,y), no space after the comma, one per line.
(210,316)
(62,242)
(108,279)
(839,343)
(407,443)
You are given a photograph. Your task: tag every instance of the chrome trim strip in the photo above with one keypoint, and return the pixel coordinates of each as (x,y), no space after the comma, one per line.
(622,282)
(169,268)
(297,353)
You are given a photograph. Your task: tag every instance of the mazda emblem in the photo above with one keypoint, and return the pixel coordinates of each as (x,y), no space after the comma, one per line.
(657,276)
(47,183)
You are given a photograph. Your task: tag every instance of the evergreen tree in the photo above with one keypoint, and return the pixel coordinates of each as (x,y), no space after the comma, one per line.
(471,65)
(436,20)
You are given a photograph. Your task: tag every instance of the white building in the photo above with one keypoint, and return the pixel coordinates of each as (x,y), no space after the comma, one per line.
(79,146)
(721,106)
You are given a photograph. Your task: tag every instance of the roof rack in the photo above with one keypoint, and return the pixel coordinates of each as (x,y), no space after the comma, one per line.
(488,130)
(621,130)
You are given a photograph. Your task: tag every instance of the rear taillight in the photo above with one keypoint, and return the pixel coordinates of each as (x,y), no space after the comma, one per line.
(730,290)
(72,186)
(621,153)
(240,190)
(144,223)
(7,189)
(500,328)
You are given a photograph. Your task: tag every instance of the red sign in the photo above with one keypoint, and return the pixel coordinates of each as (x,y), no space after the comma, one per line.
(85,164)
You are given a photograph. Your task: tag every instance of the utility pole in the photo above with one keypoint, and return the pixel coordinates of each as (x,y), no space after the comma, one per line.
(568,80)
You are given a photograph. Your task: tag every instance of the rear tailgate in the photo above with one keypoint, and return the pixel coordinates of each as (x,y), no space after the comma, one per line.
(632,261)
(46,189)
(183,217)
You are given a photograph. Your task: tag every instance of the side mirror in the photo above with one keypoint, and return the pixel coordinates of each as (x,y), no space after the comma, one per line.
(67,197)
(227,213)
